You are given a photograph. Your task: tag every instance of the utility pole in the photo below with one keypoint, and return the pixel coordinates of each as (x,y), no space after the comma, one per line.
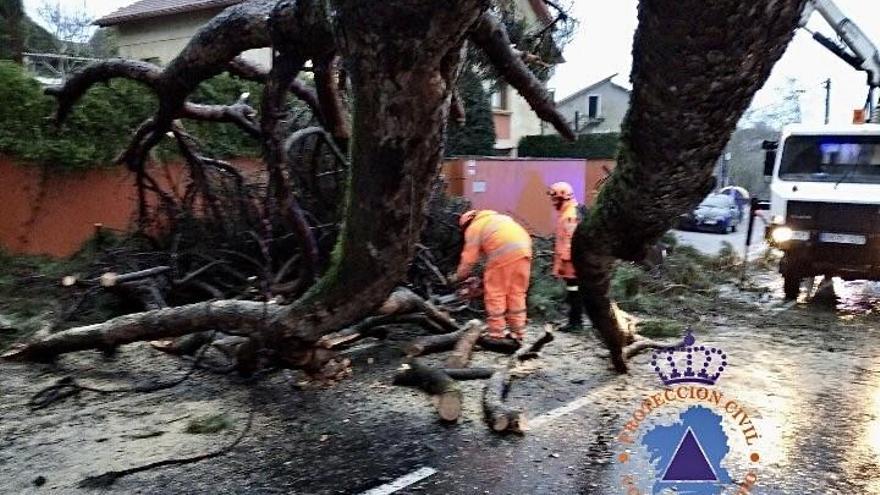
(827,86)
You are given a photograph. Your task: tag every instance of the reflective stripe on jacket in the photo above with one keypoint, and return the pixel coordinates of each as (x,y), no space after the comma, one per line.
(565,227)
(498,237)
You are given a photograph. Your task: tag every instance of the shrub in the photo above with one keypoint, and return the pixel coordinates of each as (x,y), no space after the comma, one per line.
(591,146)
(100,126)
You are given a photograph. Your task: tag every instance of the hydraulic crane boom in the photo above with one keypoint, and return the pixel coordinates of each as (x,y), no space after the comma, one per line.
(855,47)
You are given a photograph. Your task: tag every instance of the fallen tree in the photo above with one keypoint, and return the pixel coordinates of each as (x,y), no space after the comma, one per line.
(400,80)
(696,66)
(401,59)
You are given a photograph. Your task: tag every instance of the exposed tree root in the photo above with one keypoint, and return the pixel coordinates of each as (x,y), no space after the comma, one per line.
(642,344)
(106,479)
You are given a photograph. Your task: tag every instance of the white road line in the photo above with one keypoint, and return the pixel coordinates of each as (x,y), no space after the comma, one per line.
(569,408)
(539,421)
(402,482)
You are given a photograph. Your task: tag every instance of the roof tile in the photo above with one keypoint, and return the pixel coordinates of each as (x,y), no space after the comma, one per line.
(146,9)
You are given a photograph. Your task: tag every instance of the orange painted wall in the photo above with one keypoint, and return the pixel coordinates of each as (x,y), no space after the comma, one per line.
(54,213)
(518,186)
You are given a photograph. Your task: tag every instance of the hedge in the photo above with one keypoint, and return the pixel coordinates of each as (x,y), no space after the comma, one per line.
(586,146)
(100,126)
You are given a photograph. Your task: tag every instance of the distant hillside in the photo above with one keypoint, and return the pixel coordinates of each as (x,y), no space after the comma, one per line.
(36,39)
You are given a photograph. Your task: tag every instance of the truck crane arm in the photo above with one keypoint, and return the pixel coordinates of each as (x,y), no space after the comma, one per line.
(856,49)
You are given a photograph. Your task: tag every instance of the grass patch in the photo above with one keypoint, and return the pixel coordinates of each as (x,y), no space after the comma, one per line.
(661,328)
(546,299)
(31,293)
(208,424)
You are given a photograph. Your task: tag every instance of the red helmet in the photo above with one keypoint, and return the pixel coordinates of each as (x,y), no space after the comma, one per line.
(561,190)
(466,218)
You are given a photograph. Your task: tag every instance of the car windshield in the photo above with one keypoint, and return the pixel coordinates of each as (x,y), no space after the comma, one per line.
(716,201)
(854,159)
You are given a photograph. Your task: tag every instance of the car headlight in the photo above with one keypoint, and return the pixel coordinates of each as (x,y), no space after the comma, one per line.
(782,234)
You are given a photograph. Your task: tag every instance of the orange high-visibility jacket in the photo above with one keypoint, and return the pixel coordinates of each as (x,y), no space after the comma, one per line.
(565,225)
(497,236)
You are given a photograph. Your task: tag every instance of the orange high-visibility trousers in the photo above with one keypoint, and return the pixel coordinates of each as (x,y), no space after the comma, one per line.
(505,289)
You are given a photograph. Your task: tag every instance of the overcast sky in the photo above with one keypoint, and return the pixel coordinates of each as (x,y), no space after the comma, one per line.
(604,41)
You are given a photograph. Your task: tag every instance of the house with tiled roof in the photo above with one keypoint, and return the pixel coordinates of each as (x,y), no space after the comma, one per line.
(157,30)
(598,108)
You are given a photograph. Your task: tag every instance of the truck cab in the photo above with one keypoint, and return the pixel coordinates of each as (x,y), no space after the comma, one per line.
(825,202)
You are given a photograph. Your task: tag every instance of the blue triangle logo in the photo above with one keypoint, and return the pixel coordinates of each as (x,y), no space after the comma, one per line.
(689,464)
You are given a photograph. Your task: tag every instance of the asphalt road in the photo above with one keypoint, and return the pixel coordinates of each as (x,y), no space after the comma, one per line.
(710,242)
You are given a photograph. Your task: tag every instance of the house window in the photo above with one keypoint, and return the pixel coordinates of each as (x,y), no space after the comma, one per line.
(594,107)
(499,98)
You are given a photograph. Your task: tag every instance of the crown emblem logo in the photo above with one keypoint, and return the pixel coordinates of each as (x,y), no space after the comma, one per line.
(689,363)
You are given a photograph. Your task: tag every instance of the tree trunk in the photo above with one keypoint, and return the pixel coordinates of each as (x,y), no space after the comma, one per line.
(395,149)
(696,66)
(13,11)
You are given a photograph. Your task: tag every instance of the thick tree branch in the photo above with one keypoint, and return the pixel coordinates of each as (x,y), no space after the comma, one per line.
(489,34)
(242,316)
(332,113)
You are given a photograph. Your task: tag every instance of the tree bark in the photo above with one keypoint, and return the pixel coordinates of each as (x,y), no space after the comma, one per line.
(461,354)
(238,316)
(439,385)
(696,66)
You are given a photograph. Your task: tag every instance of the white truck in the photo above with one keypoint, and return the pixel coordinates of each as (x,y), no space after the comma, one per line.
(825,203)
(825,180)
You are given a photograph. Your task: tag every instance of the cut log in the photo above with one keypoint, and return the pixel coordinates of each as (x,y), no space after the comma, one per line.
(462,374)
(502,346)
(110,279)
(403,300)
(443,389)
(461,355)
(499,416)
(432,343)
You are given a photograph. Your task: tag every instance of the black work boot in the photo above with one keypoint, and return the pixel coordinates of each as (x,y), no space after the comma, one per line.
(575,307)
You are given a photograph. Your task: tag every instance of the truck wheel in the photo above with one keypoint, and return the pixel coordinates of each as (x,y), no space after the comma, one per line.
(792,287)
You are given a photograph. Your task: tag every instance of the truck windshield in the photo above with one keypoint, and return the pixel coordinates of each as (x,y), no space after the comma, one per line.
(854,159)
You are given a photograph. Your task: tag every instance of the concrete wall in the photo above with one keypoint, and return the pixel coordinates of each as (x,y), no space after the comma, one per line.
(164,37)
(518,187)
(614,102)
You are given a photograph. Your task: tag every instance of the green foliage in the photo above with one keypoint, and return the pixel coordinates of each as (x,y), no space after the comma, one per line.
(546,299)
(208,424)
(225,140)
(477,135)
(30,292)
(627,281)
(660,328)
(586,146)
(100,126)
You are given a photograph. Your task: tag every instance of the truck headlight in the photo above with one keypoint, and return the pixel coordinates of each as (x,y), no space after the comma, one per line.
(782,234)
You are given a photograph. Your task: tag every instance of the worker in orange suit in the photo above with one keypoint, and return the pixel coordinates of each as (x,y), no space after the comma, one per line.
(508,249)
(562,196)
